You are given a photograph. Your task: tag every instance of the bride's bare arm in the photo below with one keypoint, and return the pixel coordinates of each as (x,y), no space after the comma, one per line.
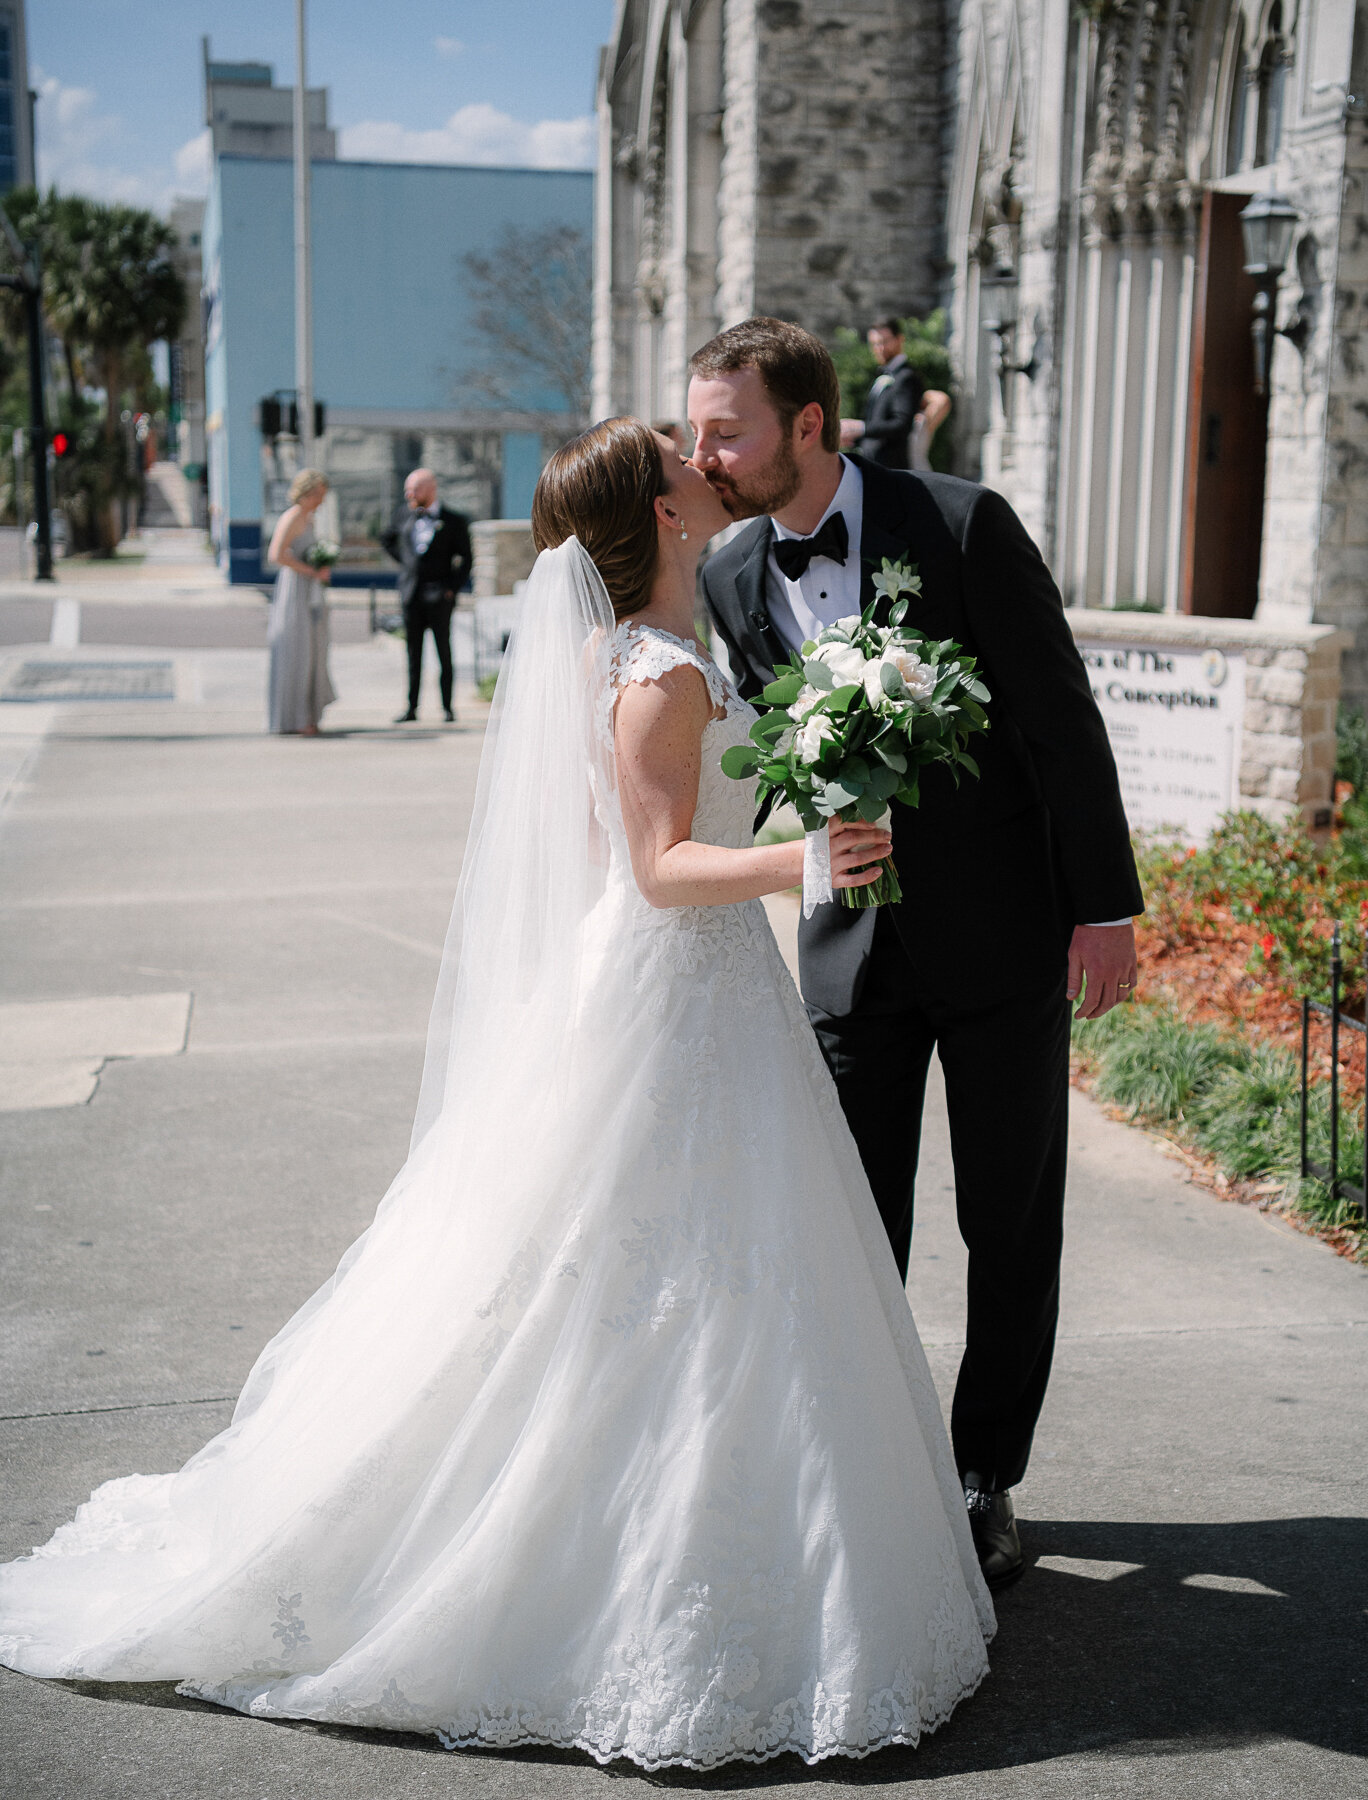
(659,742)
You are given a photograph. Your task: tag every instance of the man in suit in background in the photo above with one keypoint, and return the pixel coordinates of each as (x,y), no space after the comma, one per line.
(1018,887)
(898,409)
(431,543)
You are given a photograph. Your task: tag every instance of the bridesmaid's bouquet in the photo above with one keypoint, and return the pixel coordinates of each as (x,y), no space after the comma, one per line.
(322,554)
(848,724)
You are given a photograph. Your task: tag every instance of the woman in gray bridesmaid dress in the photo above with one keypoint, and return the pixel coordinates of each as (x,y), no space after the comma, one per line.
(297,631)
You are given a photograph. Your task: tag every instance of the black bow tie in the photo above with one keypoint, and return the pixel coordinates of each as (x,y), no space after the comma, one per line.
(831,539)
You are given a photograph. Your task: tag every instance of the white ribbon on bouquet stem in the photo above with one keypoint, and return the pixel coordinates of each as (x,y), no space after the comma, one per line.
(817,888)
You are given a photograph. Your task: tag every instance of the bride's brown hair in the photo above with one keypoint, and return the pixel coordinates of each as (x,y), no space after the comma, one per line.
(601,488)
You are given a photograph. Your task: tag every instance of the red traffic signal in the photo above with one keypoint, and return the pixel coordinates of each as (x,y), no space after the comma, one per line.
(61,443)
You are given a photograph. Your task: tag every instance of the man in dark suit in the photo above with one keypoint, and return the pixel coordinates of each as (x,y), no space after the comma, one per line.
(896,403)
(431,543)
(1018,887)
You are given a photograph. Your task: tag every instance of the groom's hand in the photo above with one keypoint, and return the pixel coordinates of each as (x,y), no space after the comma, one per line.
(1102,960)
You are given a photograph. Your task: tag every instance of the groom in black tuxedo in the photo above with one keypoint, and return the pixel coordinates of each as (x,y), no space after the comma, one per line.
(431,543)
(1018,887)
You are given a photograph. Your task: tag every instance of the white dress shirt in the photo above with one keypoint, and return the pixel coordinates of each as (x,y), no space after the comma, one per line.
(424,528)
(826,591)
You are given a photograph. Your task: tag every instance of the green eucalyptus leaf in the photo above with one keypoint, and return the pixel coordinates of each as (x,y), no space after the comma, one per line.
(884,782)
(839,794)
(968,762)
(897,612)
(819,675)
(739,762)
(785,690)
(871,807)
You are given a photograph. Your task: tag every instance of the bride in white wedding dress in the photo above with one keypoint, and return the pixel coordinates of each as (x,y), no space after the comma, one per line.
(613,1430)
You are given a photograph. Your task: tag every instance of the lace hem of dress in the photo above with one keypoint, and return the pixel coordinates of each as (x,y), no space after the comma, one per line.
(813,1725)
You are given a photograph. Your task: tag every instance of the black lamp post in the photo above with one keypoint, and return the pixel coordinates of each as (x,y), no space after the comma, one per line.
(1268,223)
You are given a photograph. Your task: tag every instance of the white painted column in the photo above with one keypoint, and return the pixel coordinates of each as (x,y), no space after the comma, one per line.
(1116,438)
(1091,309)
(1177,484)
(1149,422)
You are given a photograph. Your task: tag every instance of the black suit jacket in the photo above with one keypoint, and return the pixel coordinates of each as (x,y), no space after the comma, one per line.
(446,561)
(997,871)
(894,402)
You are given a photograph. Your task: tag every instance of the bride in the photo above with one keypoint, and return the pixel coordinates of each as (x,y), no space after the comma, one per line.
(613,1430)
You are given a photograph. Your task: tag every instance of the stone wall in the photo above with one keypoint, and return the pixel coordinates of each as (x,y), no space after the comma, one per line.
(504,553)
(849,184)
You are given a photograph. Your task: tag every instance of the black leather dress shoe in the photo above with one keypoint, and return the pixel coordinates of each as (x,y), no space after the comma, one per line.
(407,718)
(448,715)
(992,1519)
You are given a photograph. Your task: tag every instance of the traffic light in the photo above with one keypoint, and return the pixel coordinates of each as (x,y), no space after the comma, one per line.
(61,445)
(276,416)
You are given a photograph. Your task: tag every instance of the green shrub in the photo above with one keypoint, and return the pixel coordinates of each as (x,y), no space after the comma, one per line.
(1159,1066)
(1248,1120)
(485,686)
(1237,1102)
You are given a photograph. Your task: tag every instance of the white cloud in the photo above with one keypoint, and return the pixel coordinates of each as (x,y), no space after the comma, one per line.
(445,46)
(83,150)
(193,163)
(476,134)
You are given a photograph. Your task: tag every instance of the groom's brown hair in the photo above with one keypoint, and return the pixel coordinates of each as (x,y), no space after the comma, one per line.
(795,367)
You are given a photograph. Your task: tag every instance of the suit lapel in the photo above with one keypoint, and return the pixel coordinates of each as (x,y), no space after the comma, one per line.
(883,531)
(752,593)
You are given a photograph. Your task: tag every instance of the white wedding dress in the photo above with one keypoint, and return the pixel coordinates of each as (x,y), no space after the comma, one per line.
(614,1429)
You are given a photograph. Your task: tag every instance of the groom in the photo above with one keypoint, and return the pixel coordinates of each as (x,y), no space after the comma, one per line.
(1018,887)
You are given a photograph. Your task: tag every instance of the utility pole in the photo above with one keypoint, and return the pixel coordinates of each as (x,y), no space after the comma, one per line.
(27,282)
(303,268)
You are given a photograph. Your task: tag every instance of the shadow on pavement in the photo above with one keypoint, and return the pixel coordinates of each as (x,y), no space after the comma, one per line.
(1152,1640)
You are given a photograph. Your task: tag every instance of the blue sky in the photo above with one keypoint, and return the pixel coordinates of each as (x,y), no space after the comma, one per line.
(487,81)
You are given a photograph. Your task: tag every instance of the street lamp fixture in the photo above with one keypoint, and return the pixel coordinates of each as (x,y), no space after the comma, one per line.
(1268,224)
(1001,292)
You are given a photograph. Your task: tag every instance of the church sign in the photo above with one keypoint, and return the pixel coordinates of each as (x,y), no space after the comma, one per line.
(1175,717)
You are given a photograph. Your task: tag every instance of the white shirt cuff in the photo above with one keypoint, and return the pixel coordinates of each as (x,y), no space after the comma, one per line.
(1104,924)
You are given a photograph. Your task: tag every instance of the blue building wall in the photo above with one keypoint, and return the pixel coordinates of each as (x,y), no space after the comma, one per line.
(392,315)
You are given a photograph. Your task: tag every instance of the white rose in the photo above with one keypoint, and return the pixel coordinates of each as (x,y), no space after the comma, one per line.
(919,678)
(849,625)
(809,738)
(847,664)
(803,705)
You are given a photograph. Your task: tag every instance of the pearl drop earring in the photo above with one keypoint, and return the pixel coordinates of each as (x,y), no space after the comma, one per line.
(683,535)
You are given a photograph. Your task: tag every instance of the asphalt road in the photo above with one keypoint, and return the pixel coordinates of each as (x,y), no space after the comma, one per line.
(1194,1622)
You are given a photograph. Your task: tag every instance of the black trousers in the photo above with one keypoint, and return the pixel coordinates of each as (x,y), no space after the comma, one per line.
(420,617)
(1007,1087)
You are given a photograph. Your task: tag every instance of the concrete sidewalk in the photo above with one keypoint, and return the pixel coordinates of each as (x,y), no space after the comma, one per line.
(1194,1624)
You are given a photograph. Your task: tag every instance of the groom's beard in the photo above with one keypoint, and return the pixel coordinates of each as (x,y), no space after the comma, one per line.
(768,491)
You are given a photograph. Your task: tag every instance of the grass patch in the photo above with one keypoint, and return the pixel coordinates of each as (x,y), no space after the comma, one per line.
(486,685)
(1234,1100)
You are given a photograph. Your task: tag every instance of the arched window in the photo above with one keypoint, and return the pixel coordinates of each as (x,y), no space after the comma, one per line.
(1272,89)
(1238,105)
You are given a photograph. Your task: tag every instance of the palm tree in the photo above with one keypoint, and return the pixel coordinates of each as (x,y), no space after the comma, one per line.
(110,290)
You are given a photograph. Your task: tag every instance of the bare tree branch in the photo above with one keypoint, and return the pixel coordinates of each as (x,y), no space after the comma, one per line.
(532,309)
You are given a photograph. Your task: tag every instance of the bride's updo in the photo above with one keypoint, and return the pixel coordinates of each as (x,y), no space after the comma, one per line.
(601,488)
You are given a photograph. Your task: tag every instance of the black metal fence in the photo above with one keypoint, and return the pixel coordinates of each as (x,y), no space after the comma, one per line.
(1339,1021)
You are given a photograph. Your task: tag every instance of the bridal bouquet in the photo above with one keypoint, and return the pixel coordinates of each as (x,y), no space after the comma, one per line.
(323,554)
(852,719)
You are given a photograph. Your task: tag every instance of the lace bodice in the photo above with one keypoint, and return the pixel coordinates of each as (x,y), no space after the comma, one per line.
(725,813)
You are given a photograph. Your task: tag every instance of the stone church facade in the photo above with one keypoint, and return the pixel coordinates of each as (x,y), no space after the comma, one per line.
(1066,180)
